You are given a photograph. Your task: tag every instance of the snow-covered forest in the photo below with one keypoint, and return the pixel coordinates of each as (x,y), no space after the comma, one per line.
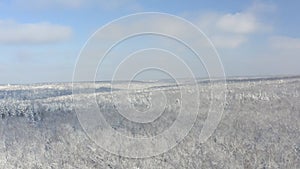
(260,126)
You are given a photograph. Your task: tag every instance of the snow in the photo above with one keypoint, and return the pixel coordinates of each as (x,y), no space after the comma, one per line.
(260,126)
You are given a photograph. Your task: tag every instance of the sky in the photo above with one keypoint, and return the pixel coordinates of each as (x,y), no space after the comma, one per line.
(40,40)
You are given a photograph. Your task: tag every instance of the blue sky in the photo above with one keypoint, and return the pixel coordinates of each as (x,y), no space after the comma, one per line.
(40,39)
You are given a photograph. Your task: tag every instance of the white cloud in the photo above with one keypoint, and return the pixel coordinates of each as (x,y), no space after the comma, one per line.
(32,33)
(221,38)
(241,23)
(284,42)
(230,30)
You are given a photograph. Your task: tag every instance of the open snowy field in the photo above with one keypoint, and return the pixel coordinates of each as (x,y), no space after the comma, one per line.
(259,128)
